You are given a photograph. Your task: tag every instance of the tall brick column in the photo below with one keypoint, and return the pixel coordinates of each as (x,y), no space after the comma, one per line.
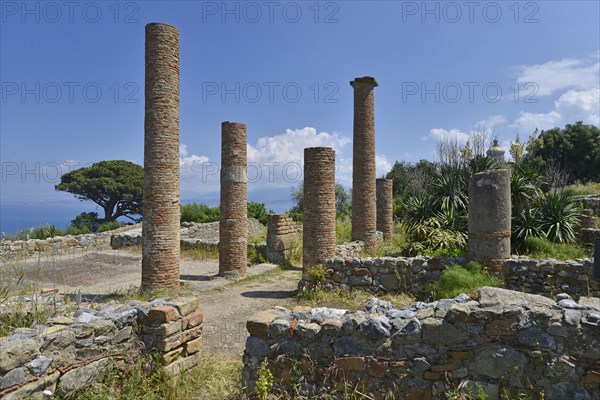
(233,227)
(490,218)
(385,208)
(364,209)
(160,229)
(319,208)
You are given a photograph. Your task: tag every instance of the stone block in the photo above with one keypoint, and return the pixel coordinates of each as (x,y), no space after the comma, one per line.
(258,324)
(163,314)
(163,330)
(186,305)
(193,320)
(350,363)
(193,346)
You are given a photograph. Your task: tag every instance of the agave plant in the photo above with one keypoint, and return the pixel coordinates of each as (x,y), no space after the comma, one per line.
(559,217)
(418,208)
(525,223)
(483,163)
(450,188)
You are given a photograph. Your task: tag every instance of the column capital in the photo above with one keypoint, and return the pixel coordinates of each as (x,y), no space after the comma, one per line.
(365,80)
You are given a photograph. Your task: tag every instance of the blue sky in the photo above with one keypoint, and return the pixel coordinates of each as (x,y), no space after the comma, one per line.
(73,76)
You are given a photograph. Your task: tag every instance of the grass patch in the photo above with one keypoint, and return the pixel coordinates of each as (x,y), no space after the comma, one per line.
(543,248)
(581,189)
(348,299)
(343,230)
(456,279)
(264,277)
(215,377)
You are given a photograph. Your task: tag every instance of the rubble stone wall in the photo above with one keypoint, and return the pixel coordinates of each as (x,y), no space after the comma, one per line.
(413,274)
(503,342)
(72,351)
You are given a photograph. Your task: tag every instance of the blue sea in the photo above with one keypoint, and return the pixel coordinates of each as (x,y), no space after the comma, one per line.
(15,216)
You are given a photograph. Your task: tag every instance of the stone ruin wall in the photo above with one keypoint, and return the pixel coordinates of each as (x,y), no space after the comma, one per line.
(501,342)
(413,274)
(282,232)
(72,352)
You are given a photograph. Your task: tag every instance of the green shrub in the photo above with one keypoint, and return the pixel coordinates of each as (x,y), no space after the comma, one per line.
(559,217)
(456,279)
(198,212)
(40,232)
(343,230)
(258,211)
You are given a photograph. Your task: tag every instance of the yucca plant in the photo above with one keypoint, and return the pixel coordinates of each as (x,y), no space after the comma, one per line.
(559,217)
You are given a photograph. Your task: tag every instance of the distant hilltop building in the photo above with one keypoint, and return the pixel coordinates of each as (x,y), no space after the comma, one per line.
(496,152)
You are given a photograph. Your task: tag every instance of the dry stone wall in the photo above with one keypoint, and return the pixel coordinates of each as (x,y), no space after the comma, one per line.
(501,342)
(281,235)
(413,274)
(56,246)
(74,350)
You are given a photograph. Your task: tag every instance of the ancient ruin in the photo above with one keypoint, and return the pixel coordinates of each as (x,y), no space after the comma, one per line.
(161,212)
(319,208)
(385,208)
(490,218)
(281,235)
(233,227)
(364,208)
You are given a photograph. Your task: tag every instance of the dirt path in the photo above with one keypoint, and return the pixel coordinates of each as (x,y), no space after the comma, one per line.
(91,276)
(226,310)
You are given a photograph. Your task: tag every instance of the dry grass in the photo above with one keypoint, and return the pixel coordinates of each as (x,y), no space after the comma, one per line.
(350,300)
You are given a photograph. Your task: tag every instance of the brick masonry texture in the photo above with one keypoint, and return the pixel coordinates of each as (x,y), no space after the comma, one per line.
(160,248)
(364,209)
(319,207)
(281,235)
(501,341)
(385,208)
(490,218)
(233,227)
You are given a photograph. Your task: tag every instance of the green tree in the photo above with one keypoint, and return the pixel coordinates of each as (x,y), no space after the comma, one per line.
(343,199)
(115,185)
(576,149)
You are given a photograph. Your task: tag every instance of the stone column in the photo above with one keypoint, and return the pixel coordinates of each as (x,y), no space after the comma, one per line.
(385,208)
(319,208)
(490,218)
(160,229)
(364,209)
(233,227)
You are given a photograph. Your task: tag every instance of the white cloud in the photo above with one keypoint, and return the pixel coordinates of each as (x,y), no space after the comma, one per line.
(274,161)
(491,121)
(572,106)
(568,73)
(383,165)
(443,134)
(289,146)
